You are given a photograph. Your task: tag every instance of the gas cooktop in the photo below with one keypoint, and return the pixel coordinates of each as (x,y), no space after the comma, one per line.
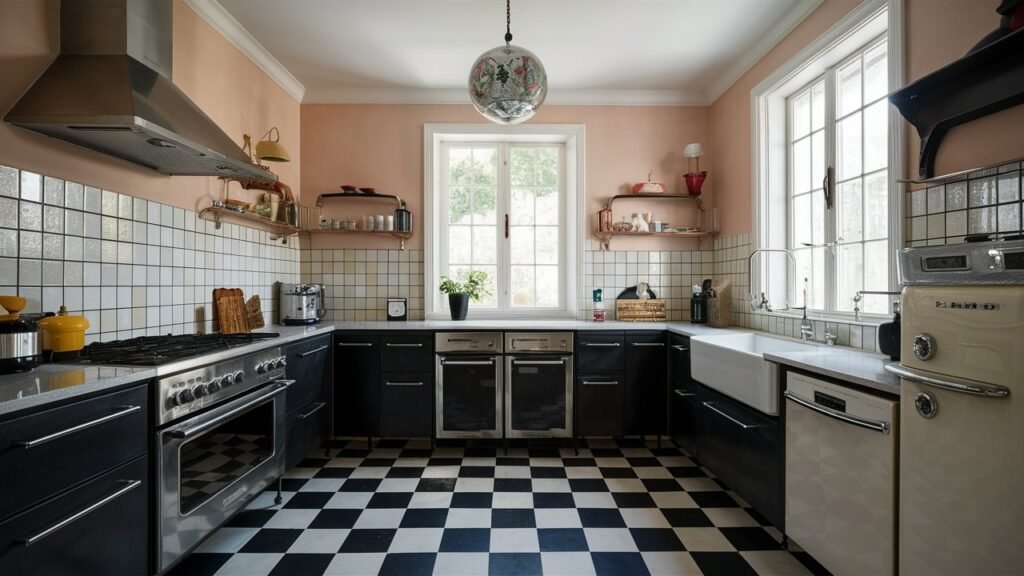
(157,350)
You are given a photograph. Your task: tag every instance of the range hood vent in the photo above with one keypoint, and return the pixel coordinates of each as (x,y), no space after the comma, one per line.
(110,90)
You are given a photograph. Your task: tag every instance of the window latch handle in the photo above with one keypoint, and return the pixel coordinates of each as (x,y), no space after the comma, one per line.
(826,186)
(506,226)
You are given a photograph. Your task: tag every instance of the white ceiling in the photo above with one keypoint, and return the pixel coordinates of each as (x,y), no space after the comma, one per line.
(595,51)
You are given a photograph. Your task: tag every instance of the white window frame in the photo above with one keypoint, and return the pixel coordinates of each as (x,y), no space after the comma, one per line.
(769,142)
(571,138)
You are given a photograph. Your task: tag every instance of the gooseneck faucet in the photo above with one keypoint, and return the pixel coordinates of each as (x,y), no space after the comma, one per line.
(763,304)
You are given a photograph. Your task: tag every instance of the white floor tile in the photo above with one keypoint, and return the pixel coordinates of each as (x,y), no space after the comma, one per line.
(468,518)
(729,517)
(319,541)
(704,540)
(292,518)
(609,540)
(551,485)
(556,518)
(249,565)
(474,485)
(644,518)
(775,563)
(416,540)
(380,518)
(322,485)
(625,485)
(672,564)
(567,563)
(349,500)
(398,485)
(512,500)
(431,500)
(355,564)
(514,540)
(673,500)
(461,564)
(593,500)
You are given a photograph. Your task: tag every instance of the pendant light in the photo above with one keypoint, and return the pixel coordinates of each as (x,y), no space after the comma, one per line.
(508,83)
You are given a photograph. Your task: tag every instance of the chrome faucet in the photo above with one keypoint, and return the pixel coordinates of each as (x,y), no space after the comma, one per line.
(806,328)
(763,304)
(860,296)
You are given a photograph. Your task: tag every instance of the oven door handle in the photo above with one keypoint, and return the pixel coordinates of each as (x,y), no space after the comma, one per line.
(951,384)
(489,362)
(276,387)
(876,425)
(518,362)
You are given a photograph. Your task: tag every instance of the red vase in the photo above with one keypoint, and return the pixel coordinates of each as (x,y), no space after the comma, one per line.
(694,181)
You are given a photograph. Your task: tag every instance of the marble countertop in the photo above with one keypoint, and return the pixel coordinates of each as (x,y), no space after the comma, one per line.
(862,368)
(52,383)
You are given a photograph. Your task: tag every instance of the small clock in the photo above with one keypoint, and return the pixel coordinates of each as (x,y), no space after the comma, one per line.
(398,309)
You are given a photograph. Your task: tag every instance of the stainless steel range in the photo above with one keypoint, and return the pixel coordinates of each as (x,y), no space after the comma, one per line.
(220,429)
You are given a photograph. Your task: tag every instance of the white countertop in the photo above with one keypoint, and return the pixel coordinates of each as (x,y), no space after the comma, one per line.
(51,383)
(863,368)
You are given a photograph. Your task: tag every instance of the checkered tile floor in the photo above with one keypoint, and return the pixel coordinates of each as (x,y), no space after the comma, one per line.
(617,508)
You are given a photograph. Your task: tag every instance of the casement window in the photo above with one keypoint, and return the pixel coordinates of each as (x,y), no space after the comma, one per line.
(503,205)
(825,171)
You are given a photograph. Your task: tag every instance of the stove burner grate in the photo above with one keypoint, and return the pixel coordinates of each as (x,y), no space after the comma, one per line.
(156,350)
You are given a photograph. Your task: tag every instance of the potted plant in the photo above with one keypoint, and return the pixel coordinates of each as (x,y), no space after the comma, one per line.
(471,285)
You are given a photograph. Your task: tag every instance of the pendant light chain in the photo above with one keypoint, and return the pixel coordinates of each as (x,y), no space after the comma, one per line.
(508,22)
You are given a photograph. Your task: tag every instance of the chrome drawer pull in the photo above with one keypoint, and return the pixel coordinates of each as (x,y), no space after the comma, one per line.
(711,406)
(390,383)
(314,351)
(129,486)
(680,348)
(602,344)
(518,362)
(125,410)
(355,344)
(683,394)
(647,343)
(951,384)
(468,362)
(600,383)
(404,345)
(315,409)
(876,425)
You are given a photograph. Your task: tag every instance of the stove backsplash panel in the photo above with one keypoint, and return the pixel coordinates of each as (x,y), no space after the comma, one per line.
(132,267)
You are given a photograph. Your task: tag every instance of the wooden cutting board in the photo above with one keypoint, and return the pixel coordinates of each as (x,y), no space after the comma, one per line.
(254,312)
(232,316)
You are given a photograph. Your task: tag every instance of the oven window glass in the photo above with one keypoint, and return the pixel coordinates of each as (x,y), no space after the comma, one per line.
(469,402)
(537,395)
(213,461)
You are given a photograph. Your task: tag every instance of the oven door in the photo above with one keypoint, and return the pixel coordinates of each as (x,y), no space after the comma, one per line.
(211,465)
(469,389)
(538,396)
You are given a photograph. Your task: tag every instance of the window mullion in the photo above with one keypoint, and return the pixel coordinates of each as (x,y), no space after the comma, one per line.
(832,215)
(442,226)
(504,205)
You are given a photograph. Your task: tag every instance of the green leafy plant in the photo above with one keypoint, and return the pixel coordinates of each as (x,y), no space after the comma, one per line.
(473,284)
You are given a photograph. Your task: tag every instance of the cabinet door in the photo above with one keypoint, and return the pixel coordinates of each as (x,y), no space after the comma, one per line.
(646,395)
(600,351)
(356,371)
(100,527)
(406,405)
(598,402)
(685,419)
(742,447)
(679,361)
(309,363)
(407,352)
(308,428)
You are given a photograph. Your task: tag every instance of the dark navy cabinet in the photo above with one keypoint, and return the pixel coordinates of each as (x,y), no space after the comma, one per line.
(310,397)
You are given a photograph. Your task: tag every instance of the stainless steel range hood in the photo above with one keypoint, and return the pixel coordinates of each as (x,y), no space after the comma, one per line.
(110,89)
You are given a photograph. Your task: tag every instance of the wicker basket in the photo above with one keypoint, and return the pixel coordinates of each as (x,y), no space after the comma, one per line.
(651,310)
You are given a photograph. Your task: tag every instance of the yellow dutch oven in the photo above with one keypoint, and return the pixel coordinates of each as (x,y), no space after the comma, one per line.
(64,335)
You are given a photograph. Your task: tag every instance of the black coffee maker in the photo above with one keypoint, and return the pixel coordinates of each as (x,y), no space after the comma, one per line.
(699,303)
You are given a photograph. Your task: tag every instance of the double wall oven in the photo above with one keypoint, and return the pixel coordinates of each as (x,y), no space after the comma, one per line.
(504,385)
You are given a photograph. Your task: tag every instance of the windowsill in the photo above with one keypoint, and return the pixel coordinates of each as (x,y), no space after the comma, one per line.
(867,320)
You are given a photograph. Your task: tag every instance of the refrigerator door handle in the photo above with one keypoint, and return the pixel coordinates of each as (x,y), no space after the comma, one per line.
(951,384)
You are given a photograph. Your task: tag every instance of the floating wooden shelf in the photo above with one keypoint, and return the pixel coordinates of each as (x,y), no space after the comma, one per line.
(402,236)
(277,228)
(606,235)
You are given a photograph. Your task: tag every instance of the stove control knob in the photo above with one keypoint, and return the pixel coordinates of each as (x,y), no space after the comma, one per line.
(199,390)
(280,363)
(261,368)
(213,386)
(924,347)
(184,396)
(237,378)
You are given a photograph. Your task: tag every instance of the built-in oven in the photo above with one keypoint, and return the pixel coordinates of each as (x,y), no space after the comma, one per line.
(212,462)
(469,385)
(538,384)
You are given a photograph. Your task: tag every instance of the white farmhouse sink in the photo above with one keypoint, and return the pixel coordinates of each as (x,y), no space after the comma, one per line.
(734,365)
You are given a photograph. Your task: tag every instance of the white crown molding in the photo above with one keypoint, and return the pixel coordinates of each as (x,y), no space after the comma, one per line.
(222,21)
(555,97)
(779,30)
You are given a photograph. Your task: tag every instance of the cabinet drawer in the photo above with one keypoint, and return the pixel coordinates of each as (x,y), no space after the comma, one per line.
(600,351)
(308,428)
(679,360)
(50,451)
(406,352)
(598,402)
(685,419)
(406,405)
(308,364)
(101,527)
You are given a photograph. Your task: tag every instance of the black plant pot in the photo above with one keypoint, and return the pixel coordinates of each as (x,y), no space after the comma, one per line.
(459,305)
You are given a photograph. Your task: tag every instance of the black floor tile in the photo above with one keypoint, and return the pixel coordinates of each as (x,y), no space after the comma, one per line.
(587,485)
(686,471)
(436,485)
(547,472)
(336,518)
(417,453)
(722,564)
(291,484)
(481,452)
(513,461)
(811,564)
(251,518)
(579,462)
(476,472)
(662,485)
(643,462)
(618,473)
(309,500)
(619,564)
(390,500)
(633,500)
(444,462)
(713,499)
(364,541)
(601,518)
(270,540)
(410,564)
(338,472)
(606,452)
(515,564)
(686,518)
(405,472)
(472,499)
(292,564)
(562,540)
(424,518)
(513,485)
(553,500)
(513,518)
(377,462)
(544,453)
(199,564)
(360,485)
(750,539)
(656,540)
(466,540)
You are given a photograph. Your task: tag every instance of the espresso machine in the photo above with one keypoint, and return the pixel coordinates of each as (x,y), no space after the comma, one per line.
(301,304)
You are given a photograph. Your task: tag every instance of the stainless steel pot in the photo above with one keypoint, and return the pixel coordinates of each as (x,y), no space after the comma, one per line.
(20,345)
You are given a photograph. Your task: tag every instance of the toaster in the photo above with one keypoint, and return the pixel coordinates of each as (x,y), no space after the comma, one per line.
(301,304)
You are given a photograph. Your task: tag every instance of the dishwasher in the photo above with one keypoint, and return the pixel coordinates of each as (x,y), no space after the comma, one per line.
(841,476)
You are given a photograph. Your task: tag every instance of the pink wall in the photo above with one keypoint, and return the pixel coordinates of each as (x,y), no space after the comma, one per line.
(382,146)
(220,79)
(937,32)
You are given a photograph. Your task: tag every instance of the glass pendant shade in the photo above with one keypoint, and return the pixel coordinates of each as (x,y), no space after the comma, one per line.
(507,84)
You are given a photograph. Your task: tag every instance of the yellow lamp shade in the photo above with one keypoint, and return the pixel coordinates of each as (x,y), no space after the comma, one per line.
(272,150)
